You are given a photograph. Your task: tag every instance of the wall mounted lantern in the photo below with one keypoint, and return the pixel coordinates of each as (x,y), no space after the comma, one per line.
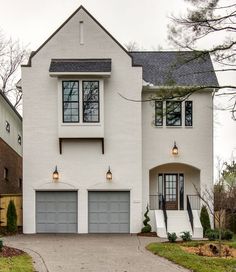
(55,174)
(175,150)
(109,174)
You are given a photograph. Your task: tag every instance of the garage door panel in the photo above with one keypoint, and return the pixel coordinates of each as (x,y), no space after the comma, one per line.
(109,212)
(56,212)
(124,206)
(124,217)
(123,228)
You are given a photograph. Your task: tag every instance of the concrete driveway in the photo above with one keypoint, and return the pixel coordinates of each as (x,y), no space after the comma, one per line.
(95,253)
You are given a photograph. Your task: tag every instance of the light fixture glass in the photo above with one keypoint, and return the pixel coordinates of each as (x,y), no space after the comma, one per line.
(175,150)
(109,174)
(55,174)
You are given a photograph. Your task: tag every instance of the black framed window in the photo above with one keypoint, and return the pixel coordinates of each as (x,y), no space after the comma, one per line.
(70,95)
(91,101)
(173,113)
(158,113)
(188,113)
(181,191)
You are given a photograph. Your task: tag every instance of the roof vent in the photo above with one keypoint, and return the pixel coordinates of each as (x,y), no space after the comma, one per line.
(81,32)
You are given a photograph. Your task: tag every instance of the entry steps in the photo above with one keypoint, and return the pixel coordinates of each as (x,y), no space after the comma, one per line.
(178,221)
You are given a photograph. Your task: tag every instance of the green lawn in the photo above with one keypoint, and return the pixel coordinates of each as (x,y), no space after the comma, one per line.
(22,263)
(174,253)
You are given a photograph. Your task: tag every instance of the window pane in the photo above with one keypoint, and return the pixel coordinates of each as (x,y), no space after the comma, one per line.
(173,113)
(90,101)
(160,184)
(188,113)
(181,191)
(90,91)
(158,113)
(91,112)
(70,101)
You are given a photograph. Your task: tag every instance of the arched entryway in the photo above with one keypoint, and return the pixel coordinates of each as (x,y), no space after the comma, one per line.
(175,183)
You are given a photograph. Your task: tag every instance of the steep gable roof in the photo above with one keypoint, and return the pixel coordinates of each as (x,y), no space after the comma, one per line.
(33,53)
(180,68)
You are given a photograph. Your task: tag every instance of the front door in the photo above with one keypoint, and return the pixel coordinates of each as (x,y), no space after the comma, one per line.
(171,191)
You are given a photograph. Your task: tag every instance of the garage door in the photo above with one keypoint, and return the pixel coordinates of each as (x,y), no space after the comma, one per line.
(56,212)
(109,212)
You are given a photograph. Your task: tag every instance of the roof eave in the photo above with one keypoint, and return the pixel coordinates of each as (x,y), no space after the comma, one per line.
(61,74)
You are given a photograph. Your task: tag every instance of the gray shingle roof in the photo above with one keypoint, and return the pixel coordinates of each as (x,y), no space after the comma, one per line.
(176,68)
(80,65)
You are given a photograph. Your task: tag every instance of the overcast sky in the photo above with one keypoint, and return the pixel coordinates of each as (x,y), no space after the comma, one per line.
(143,21)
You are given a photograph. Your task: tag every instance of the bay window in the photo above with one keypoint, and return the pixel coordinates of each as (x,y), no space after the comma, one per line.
(80,101)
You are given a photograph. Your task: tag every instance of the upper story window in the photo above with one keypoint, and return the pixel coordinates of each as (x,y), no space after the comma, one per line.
(76,103)
(8,127)
(188,113)
(90,101)
(70,93)
(173,113)
(158,113)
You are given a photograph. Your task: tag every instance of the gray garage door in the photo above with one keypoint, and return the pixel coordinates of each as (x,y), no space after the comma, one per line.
(108,212)
(56,212)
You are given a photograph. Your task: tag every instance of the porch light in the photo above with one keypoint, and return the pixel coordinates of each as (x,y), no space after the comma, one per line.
(175,150)
(55,174)
(109,174)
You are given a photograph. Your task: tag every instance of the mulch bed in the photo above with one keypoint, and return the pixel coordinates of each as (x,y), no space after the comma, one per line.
(4,232)
(211,250)
(10,252)
(147,234)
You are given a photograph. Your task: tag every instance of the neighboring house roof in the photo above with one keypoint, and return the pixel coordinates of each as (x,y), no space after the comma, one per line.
(11,106)
(180,68)
(80,65)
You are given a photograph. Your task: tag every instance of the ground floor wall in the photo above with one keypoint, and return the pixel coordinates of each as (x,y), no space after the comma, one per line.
(129,209)
(10,170)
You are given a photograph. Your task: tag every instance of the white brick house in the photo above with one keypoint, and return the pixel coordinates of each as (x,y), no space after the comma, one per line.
(76,119)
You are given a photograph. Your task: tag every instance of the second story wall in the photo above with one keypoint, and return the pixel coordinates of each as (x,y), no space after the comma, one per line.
(195,143)
(10,126)
(82,162)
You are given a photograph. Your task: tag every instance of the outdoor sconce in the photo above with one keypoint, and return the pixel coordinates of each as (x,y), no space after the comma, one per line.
(55,174)
(109,174)
(175,150)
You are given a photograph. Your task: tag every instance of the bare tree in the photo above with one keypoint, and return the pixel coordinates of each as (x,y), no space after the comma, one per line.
(132,46)
(12,55)
(206,19)
(215,200)
(221,198)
